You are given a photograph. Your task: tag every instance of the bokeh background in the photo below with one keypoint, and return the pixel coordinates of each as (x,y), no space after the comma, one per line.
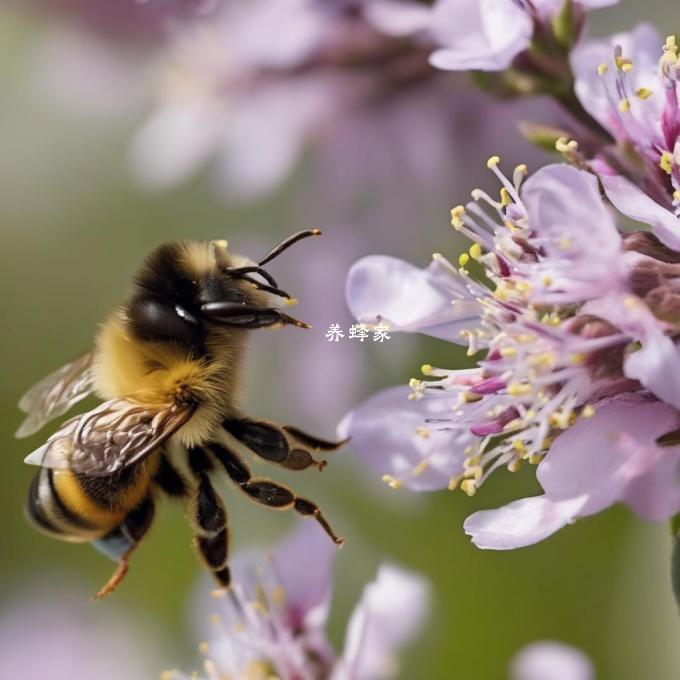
(75,225)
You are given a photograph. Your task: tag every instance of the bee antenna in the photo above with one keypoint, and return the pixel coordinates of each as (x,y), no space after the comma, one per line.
(284,245)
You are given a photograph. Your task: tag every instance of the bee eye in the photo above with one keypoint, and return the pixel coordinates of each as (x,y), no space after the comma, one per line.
(154,319)
(187,316)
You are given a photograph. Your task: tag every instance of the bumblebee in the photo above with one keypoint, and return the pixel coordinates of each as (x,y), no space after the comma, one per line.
(167,366)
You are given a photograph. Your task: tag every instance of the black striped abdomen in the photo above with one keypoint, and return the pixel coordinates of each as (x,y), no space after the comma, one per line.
(47,511)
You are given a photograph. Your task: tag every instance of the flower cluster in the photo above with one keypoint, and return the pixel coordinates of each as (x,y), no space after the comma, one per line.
(489,34)
(272,622)
(580,373)
(629,84)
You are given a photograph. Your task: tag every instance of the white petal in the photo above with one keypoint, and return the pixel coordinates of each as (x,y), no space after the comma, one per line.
(634,203)
(547,660)
(304,563)
(479,34)
(657,363)
(174,143)
(389,614)
(428,300)
(604,458)
(521,523)
(563,201)
(643,46)
(266,133)
(383,436)
(398,18)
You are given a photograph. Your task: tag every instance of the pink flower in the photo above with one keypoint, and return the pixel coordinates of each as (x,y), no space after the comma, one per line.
(272,622)
(129,20)
(250,90)
(487,35)
(569,313)
(629,84)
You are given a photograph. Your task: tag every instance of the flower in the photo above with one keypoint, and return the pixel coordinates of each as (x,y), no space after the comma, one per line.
(630,86)
(487,35)
(234,92)
(581,368)
(272,622)
(48,629)
(548,660)
(135,21)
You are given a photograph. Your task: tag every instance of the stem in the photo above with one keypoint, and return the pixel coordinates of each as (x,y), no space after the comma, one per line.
(675,558)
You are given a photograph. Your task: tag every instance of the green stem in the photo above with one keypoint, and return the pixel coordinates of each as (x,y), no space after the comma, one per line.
(675,558)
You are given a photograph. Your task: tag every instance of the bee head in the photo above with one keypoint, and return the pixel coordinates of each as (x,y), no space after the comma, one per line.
(185,288)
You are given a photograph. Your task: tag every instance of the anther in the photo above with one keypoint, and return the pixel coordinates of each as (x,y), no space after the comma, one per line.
(469,486)
(588,411)
(457,216)
(515,464)
(420,468)
(666,162)
(392,482)
(454,483)
(493,162)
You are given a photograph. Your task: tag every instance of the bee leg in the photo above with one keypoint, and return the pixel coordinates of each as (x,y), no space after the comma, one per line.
(211,534)
(286,446)
(268,493)
(119,543)
(169,480)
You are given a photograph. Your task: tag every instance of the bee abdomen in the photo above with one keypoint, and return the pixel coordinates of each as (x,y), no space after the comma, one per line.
(54,512)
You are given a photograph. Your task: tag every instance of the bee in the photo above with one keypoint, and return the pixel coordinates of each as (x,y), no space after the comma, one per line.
(167,366)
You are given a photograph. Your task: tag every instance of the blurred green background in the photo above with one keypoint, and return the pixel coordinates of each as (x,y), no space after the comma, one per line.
(74,228)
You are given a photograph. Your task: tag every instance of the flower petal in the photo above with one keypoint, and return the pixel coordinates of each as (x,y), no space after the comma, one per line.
(642,45)
(304,563)
(548,660)
(479,34)
(390,612)
(383,436)
(562,200)
(520,523)
(174,143)
(657,363)
(634,203)
(258,150)
(410,299)
(612,457)
(398,18)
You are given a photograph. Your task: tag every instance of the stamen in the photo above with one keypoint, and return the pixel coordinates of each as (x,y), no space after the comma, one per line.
(456,216)
(666,162)
(518,175)
(469,486)
(454,483)
(392,482)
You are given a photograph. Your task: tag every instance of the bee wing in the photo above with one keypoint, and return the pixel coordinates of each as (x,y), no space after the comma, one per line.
(110,437)
(55,394)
